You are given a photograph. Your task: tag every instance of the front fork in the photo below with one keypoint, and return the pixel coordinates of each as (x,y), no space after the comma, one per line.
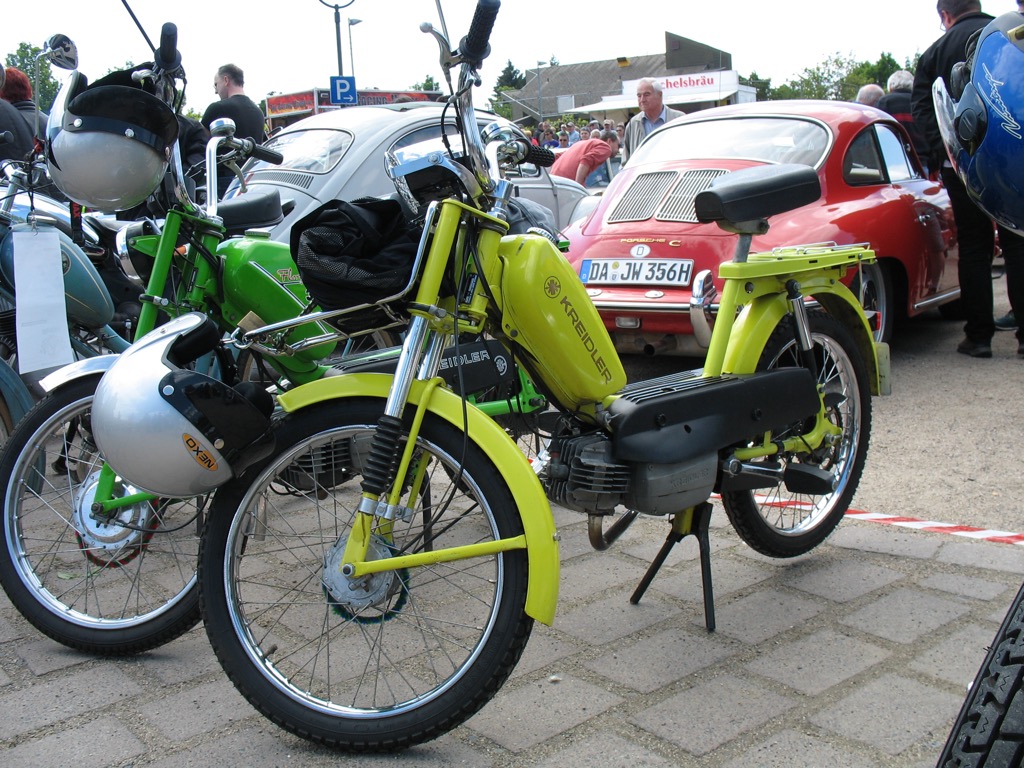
(801,326)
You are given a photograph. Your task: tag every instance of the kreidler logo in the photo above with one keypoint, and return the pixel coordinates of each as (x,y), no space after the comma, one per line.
(552,287)
(199,453)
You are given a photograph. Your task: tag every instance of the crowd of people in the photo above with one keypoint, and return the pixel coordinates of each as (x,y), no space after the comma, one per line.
(566,134)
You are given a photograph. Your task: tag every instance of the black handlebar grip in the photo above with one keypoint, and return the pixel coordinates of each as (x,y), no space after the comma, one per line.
(6,137)
(269,155)
(541,156)
(167,56)
(474,47)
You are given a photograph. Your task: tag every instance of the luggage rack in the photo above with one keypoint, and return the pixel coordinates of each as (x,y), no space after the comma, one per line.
(813,249)
(347,322)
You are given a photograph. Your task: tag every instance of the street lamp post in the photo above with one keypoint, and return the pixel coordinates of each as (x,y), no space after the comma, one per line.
(351,50)
(337,28)
(540,98)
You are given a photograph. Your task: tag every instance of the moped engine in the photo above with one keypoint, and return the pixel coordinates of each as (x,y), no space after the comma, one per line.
(582,475)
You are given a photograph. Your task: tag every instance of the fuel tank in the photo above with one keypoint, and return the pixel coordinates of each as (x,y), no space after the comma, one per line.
(548,313)
(260,276)
(87,298)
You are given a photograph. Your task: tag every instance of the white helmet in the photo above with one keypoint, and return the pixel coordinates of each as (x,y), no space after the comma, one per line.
(108,145)
(171,431)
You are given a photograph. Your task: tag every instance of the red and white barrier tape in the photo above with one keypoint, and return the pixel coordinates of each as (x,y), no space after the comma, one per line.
(1002,537)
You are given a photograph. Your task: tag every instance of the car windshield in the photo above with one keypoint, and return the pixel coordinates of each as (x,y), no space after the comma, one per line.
(312,151)
(768,139)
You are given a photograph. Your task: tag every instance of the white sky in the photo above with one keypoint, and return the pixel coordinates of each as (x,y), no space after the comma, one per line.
(290,45)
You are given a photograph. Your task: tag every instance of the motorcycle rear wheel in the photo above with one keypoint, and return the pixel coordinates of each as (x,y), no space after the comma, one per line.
(775,521)
(403,656)
(987,731)
(117,587)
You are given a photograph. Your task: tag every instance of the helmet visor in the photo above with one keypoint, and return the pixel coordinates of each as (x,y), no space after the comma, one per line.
(945,113)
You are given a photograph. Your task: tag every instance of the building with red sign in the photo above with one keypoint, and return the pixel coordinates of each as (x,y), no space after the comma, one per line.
(692,75)
(285,108)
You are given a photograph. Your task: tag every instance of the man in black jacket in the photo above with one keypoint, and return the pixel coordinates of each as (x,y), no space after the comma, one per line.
(249,121)
(961,19)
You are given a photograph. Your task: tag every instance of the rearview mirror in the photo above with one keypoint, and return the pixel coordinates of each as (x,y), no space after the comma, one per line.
(61,52)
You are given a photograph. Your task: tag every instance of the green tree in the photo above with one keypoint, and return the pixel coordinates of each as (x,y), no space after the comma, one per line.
(428,84)
(24,59)
(839,78)
(762,86)
(830,80)
(878,72)
(510,79)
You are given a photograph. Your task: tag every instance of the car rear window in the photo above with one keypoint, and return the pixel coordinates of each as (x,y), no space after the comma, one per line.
(768,139)
(312,151)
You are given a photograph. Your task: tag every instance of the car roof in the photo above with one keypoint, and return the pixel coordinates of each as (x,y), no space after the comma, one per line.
(832,112)
(375,116)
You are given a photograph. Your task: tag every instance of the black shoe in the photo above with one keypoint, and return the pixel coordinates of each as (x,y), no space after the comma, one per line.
(1007,322)
(974,348)
(1020,350)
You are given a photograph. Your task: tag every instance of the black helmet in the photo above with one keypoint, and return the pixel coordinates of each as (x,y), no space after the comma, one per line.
(108,145)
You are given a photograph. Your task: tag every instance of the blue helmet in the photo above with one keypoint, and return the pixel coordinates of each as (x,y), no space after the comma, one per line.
(981,118)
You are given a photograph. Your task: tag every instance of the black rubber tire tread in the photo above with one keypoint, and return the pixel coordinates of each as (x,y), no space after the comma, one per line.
(742,507)
(498,656)
(989,730)
(105,641)
(6,422)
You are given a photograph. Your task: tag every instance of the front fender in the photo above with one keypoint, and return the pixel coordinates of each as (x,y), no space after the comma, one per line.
(90,366)
(515,470)
(760,317)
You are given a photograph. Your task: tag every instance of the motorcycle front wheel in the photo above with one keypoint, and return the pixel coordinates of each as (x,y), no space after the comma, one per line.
(780,523)
(115,586)
(385,661)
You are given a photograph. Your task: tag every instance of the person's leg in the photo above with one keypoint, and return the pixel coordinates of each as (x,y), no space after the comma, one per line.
(1012,246)
(976,237)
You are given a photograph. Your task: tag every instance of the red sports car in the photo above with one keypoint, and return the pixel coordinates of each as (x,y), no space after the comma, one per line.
(639,250)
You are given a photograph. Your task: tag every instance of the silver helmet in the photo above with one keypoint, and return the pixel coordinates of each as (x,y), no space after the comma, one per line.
(172,431)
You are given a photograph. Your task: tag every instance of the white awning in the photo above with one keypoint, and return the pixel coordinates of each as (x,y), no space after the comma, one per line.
(610,104)
(626,103)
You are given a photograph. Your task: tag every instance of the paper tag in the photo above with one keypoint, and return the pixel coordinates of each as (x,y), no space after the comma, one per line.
(41,312)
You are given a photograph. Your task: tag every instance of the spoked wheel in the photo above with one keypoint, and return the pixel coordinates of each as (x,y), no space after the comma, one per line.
(387,660)
(874,288)
(117,585)
(780,523)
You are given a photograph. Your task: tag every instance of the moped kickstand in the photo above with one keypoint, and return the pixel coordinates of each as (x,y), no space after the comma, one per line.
(691,522)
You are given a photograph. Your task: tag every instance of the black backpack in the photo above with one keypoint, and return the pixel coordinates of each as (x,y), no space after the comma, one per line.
(351,253)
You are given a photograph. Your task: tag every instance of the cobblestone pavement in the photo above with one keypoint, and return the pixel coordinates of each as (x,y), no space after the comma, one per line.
(855,655)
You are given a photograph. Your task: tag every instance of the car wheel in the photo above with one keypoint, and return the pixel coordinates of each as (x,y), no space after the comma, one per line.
(873,286)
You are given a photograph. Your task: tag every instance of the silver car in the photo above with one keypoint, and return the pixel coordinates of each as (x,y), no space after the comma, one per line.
(340,155)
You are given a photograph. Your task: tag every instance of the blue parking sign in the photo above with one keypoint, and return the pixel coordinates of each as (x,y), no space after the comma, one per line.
(343,90)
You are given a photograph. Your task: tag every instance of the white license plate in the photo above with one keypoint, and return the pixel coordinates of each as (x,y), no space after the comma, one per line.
(637,271)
